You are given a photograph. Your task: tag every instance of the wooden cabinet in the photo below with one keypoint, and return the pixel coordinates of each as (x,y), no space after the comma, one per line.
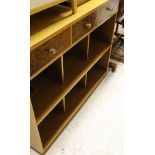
(67,64)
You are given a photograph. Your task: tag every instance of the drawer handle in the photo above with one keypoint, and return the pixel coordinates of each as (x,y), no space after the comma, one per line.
(52,51)
(109,9)
(89,25)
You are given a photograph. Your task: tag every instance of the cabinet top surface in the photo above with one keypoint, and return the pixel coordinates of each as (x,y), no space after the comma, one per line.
(44,25)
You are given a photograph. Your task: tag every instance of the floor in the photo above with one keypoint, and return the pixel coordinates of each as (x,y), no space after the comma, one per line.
(98,127)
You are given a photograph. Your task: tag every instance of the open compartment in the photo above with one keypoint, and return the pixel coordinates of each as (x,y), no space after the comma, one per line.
(44,88)
(101,38)
(98,45)
(96,73)
(75,97)
(75,60)
(52,123)
(104,33)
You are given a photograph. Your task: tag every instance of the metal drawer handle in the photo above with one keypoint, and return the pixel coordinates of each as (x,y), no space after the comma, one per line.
(89,25)
(109,9)
(52,51)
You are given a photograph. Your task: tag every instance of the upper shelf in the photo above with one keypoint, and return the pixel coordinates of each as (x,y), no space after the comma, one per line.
(46,24)
(39,5)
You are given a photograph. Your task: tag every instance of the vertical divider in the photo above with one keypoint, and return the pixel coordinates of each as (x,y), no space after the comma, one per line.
(88,45)
(62,69)
(62,105)
(71,35)
(59,69)
(104,61)
(83,48)
(83,81)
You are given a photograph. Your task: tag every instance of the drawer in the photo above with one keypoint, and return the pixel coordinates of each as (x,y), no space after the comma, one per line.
(49,50)
(84,26)
(107,10)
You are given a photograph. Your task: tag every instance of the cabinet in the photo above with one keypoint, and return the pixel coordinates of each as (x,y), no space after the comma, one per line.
(69,58)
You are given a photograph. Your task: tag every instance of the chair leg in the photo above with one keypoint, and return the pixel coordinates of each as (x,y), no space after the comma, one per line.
(116,31)
(74,6)
(112,66)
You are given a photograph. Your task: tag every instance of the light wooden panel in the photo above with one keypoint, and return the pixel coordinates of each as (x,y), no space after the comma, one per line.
(35,139)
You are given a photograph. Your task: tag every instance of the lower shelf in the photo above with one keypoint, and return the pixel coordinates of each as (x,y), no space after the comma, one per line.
(56,121)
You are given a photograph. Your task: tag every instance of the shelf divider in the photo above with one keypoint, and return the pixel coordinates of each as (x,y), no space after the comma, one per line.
(62,69)
(83,81)
(104,61)
(62,105)
(83,47)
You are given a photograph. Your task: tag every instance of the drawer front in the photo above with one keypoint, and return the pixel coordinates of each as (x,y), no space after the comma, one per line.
(107,10)
(49,50)
(84,26)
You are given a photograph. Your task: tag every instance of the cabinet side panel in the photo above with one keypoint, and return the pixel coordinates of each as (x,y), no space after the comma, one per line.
(35,139)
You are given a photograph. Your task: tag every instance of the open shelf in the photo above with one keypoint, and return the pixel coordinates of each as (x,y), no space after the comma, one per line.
(56,121)
(100,38)
(50,125)
(51,90)
(97,47)
(44,85)
(104,33)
